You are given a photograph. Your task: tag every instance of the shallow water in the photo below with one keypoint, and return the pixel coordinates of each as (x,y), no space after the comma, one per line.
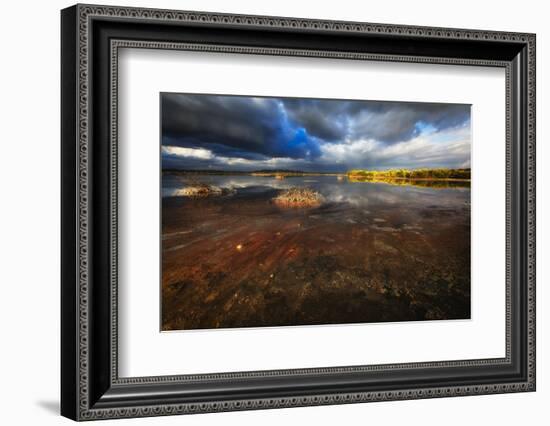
(370,252)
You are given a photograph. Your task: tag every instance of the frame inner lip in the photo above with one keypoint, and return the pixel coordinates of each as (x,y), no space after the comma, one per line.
(115,45)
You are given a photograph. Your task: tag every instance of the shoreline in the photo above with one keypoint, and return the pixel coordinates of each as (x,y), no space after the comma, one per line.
(366,175)
(187,172)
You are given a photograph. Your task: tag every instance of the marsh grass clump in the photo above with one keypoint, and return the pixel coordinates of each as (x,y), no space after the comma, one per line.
(299,197)
(198,189)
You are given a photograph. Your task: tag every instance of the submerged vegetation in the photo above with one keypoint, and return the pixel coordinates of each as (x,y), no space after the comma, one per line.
(252,251)
(432,174)
(299,197)
(275,256)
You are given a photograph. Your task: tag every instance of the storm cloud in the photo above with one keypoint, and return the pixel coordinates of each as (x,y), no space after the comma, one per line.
(248,133)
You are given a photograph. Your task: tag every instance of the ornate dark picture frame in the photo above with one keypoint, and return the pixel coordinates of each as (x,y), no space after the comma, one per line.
(90,38)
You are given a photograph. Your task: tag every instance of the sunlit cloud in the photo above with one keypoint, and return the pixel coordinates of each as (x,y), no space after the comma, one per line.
(203,154)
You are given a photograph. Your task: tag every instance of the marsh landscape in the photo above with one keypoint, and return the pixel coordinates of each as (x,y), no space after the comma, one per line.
(336,241)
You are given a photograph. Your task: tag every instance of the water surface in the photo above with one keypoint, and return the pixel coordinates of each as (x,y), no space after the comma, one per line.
(371,252)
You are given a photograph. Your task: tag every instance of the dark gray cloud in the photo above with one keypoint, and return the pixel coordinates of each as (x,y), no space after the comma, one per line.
(327,120)
(387,122)
(234,126)
(392,122)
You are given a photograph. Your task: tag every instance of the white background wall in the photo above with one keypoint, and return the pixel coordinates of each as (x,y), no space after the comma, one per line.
(29,212)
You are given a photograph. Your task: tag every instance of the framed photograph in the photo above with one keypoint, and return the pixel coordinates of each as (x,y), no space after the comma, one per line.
(263,212)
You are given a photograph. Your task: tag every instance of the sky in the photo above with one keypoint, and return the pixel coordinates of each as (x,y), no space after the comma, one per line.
(243,133)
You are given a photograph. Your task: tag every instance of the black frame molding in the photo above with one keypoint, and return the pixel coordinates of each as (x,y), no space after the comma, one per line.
(91,36)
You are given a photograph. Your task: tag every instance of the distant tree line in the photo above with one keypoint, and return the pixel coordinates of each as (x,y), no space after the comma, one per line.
(438,173)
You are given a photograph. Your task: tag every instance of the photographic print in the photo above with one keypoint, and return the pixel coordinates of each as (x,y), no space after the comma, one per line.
(294,211)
